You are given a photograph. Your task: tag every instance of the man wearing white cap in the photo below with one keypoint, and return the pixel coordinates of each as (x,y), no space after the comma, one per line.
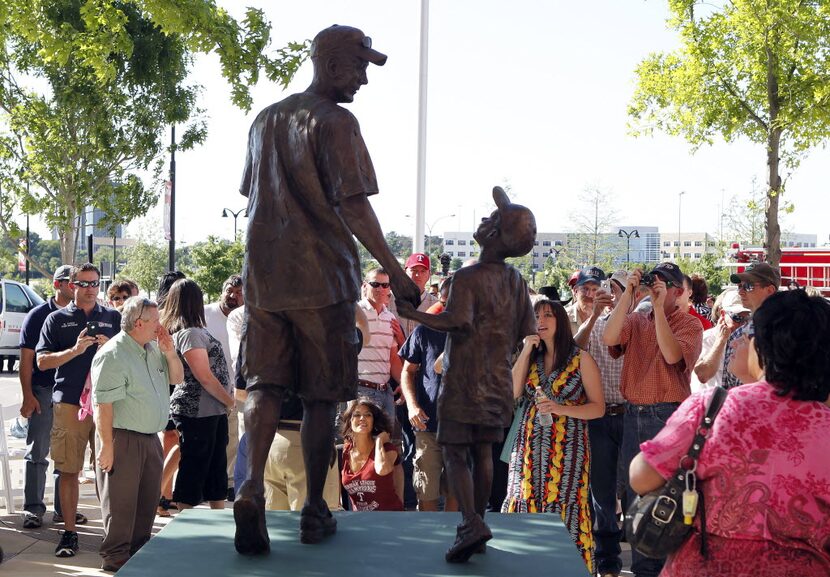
(708,371)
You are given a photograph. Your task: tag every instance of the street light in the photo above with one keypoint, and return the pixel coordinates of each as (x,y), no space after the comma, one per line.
(429,228)
(679,203)
(636,234)
(236,214)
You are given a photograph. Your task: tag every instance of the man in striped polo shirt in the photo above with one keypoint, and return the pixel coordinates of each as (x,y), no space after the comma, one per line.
(378,361)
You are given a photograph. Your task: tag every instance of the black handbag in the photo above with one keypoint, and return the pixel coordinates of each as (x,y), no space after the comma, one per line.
(657,523)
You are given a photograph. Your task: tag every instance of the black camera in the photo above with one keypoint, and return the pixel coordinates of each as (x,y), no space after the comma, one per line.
(648,279)
(92,329)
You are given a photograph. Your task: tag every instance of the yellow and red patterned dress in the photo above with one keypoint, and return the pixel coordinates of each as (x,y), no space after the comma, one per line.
(549,466)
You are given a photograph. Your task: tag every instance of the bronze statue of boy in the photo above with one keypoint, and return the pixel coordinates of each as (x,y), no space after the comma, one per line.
(307,178)
(488,313)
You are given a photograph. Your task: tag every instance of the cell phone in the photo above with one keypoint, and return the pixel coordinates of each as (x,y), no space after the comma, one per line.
(605,285)
(92,329)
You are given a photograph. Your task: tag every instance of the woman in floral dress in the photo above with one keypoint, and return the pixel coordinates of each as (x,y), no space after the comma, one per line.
(549,465)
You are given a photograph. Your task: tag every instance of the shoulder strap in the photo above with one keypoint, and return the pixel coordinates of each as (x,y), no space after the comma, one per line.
(715,403)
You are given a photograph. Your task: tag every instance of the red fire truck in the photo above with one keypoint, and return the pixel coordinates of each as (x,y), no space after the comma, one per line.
(806,266)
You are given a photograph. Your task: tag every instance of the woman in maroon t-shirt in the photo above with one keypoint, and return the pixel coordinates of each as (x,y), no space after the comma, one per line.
(369,459)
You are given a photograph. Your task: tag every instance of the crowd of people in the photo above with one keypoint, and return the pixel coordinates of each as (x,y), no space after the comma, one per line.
(615,379)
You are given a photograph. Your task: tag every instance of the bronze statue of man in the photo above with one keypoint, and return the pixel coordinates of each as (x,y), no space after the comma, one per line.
(488,313)
(307,177)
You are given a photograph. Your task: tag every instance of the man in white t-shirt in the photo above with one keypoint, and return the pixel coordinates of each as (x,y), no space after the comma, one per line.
(216,319)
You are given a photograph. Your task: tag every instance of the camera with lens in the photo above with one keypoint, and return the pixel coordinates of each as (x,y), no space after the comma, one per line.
(648,279)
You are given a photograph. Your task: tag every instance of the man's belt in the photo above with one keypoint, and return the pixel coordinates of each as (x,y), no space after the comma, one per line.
(614,409)
(371,385)
(289,425)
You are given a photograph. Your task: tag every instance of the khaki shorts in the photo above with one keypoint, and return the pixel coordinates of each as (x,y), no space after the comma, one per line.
(428,477)
(70,438)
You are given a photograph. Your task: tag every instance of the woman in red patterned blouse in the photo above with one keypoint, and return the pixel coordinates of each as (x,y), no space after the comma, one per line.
(765,471)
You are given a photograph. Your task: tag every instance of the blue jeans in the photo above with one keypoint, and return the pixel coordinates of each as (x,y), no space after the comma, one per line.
(606,436)
(37,448)
(642,423)
(384,399)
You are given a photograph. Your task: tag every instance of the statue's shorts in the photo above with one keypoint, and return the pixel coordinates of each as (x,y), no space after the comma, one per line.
(454,433)
(311,352)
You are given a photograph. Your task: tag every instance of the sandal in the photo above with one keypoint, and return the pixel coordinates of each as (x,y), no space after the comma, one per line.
(162,512)
(165,503)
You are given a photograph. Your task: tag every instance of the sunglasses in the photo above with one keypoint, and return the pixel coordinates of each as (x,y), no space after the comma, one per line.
(738,317)
(86,283)
(747,286)
(376,284)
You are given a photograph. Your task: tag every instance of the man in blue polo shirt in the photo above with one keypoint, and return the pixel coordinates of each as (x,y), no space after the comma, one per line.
(420,385)
(37,402)
(68,342)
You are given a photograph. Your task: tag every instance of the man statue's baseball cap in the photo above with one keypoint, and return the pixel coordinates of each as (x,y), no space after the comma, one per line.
(337,38)
(669,271)
(63,272)
(417,259)
(758,272)
(590,274)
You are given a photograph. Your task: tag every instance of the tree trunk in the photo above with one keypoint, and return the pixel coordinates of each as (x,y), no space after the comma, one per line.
(69,236)
(773,240)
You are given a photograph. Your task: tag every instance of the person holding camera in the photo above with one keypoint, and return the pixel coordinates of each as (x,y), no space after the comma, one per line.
(68,342)
(659,350)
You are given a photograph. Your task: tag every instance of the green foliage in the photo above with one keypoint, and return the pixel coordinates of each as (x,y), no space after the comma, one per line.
(45,253)
(146,262)
(745,69)
(455,264)
(111,78)
(214,260)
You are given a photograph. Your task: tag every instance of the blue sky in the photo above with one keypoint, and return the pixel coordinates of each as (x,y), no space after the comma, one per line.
(532,93)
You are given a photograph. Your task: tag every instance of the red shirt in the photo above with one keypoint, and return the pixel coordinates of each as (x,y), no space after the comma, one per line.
(707,324)
(367,490)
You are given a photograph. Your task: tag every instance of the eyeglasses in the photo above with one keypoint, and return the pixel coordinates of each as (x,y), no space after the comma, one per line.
(86,283)
(747,286)
(376,284)
(144,303)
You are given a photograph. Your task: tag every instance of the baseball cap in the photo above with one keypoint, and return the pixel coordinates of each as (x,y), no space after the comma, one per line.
(669,271)
(417,259)
(552,293)
(573,279)
(63,272)
(590,274)
(758,272)
(732,302)
(620,277)
(336,38)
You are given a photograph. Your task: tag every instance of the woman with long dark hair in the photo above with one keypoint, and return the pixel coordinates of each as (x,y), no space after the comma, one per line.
(549,463)
(369,458)
(764,471)
(199,405)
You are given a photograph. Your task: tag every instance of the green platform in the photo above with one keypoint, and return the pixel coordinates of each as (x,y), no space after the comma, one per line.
(199,543)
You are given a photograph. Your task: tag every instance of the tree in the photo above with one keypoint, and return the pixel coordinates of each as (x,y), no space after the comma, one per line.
(746,215)
(214,260)
(745,69)
(591,244)
(146,263)
(115,73)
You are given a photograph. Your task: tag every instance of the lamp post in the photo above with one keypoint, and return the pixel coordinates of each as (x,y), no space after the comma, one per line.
(624,233)
(226,211)
(429,228)
(679,204)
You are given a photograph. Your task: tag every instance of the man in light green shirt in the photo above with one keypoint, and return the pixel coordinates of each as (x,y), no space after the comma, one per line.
(131,378)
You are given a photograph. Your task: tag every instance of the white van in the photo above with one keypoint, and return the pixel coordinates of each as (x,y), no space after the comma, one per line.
(16,300)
